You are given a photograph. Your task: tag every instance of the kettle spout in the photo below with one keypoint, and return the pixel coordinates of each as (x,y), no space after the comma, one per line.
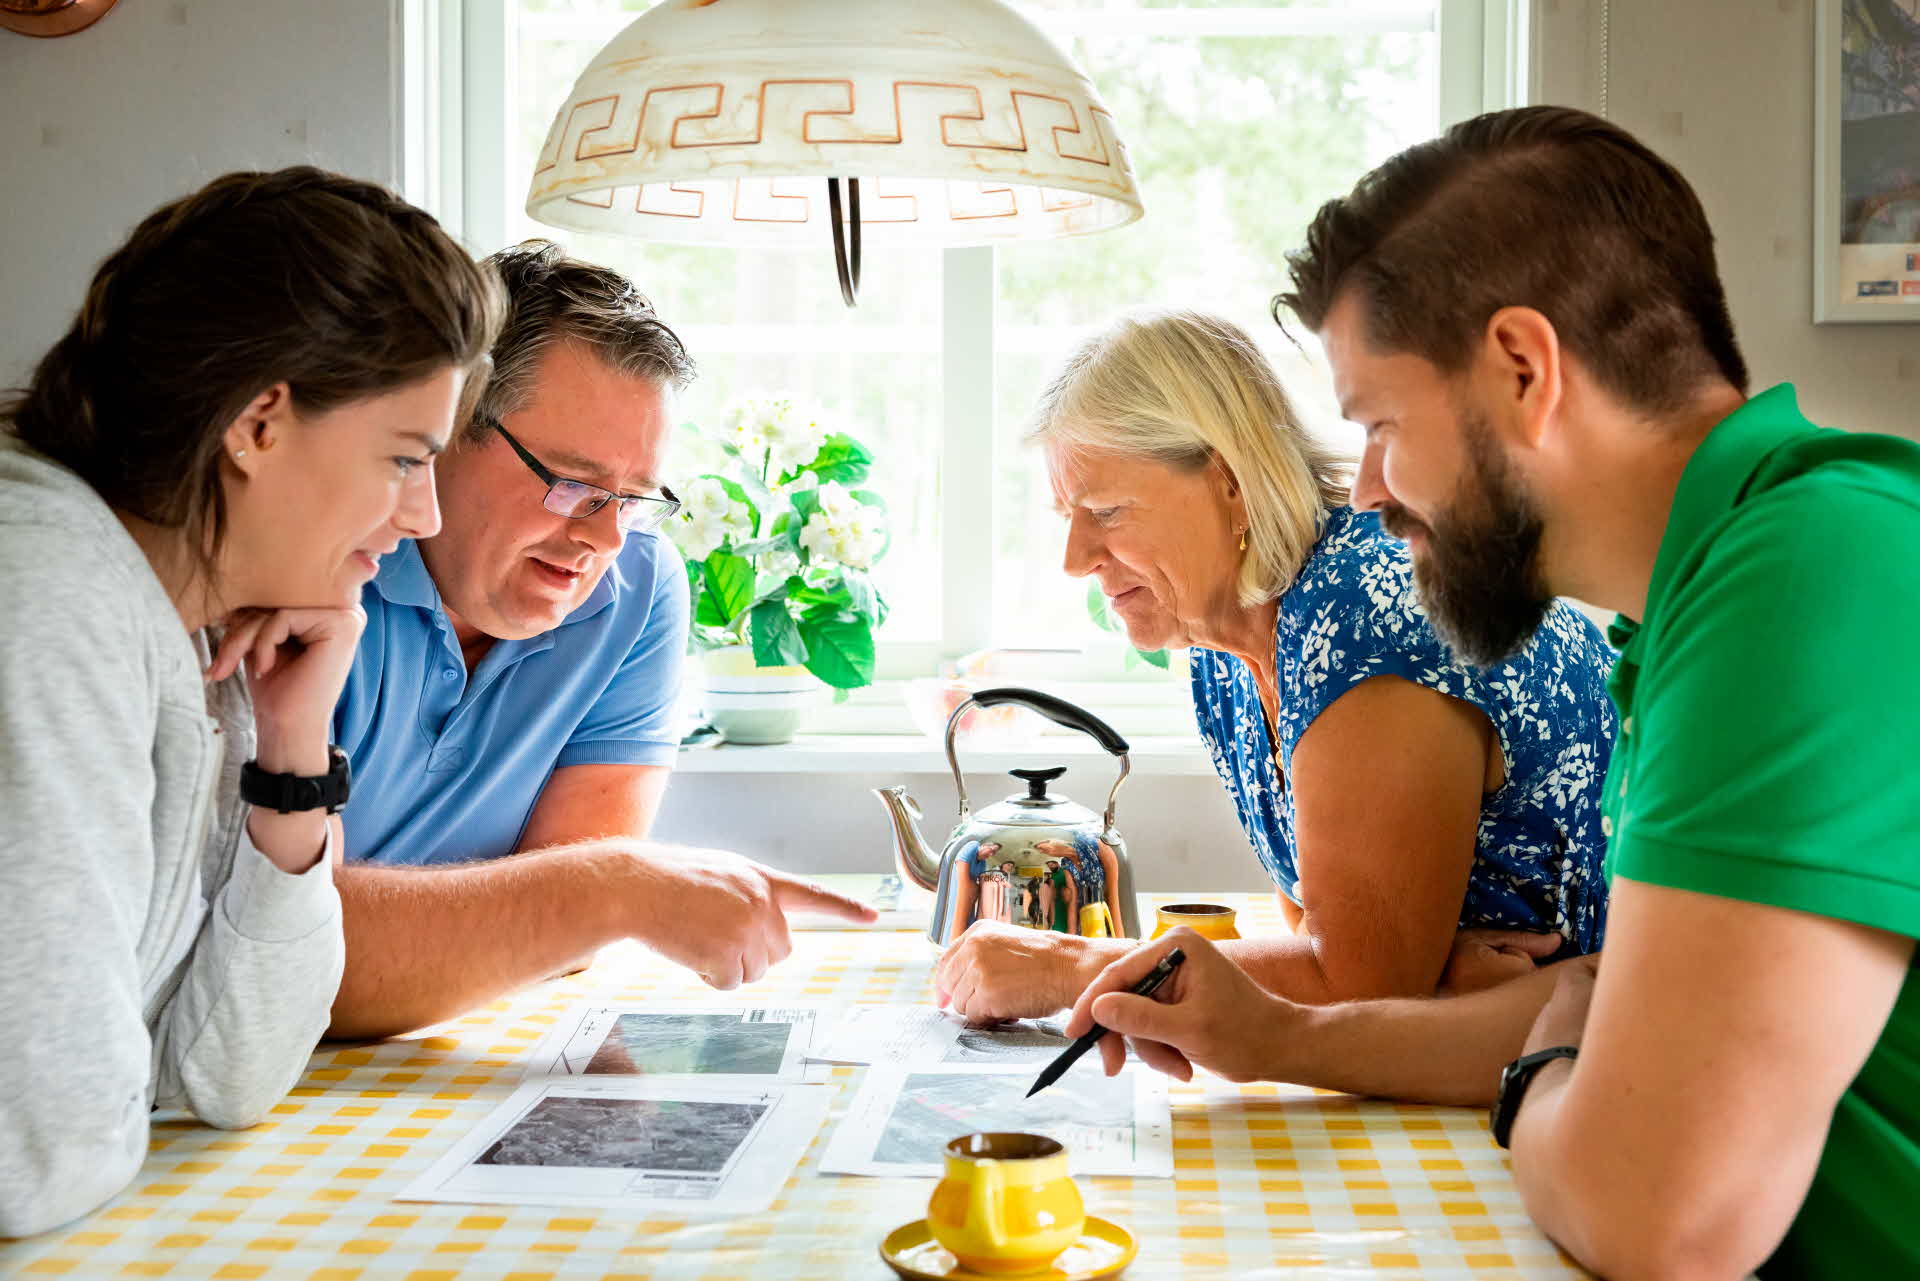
(917,861)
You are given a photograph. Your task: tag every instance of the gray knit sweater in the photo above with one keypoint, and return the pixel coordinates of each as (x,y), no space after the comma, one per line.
(150,956)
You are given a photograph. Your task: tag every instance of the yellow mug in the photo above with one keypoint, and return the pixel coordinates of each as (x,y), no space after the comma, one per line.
(1208,920)
(1006,1206)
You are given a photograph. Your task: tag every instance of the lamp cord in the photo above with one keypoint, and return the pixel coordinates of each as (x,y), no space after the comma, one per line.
(1606,52)
(846,241)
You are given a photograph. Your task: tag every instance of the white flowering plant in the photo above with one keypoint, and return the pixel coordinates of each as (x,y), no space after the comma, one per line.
(780,543)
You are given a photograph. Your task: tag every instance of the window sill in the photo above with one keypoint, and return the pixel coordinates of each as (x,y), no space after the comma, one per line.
(1159,755)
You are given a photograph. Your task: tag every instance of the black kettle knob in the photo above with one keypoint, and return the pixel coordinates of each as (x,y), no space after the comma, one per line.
(1037,780)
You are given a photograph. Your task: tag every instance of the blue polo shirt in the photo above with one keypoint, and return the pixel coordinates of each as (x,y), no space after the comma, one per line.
(447,766)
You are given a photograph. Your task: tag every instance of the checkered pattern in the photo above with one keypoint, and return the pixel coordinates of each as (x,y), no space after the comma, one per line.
(1268,1179)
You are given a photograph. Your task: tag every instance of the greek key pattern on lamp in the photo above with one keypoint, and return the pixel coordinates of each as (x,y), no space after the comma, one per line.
(829,112)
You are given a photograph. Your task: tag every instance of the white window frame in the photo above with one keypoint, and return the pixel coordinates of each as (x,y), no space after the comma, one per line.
(456,55)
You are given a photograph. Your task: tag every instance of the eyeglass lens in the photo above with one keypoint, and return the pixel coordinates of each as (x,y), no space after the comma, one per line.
(577,500)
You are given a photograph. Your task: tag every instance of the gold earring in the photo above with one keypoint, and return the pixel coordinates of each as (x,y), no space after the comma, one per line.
(1243,540)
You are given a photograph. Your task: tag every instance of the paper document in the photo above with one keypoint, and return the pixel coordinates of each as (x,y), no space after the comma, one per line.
(645,1146)
(921,1034)
(758,1046)
(903,1117)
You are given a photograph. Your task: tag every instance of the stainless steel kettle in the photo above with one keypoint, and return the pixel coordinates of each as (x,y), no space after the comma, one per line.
(1037,860)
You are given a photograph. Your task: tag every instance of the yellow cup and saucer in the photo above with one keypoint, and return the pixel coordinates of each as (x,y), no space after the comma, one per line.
(1208,920)
(1007,1208)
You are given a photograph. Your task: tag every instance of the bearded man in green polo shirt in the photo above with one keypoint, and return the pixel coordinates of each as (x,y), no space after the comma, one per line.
(1526,317)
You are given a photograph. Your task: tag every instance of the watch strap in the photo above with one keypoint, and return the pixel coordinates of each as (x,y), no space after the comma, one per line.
(1514,1080)
(291,793)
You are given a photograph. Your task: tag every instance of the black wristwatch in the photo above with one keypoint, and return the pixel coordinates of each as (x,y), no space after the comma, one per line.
(1514,1080)
(287,793)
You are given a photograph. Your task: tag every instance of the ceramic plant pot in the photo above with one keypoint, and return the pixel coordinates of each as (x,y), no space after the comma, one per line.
(756,705)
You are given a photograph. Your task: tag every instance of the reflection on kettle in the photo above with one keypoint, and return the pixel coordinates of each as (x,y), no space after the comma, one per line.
(1036,860)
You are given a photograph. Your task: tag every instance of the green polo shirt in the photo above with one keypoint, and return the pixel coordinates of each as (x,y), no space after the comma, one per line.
(1769,737)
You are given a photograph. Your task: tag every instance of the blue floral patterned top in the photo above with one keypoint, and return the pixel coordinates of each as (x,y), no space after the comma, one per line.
(1352,613)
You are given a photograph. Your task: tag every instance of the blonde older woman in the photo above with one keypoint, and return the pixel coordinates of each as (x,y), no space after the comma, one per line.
(1395,795)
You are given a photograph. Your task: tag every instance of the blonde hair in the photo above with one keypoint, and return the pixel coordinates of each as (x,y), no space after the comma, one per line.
(1185,388)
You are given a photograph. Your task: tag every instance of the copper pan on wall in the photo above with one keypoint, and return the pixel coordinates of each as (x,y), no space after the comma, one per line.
(51,17)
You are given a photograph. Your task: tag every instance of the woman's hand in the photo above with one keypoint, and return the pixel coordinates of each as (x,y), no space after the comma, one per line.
(1487,958)
(297,662)
(997,971)
(1207,1013)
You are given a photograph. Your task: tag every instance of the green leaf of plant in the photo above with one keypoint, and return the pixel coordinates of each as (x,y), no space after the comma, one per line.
(776,637)
(806,503)
(1098,610)
(707,611)
(835,598)
(839,651)
(758,496)
(870,498)
(729,586)
(842,458)
(861,596)
(739,494)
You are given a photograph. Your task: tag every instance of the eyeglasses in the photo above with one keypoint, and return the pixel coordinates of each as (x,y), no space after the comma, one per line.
(576,499)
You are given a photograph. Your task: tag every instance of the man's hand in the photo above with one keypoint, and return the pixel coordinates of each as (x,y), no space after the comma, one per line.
(1488,958)
(1208,1013)
(720,915)
(297,661)
(997,971)
(1563,1020)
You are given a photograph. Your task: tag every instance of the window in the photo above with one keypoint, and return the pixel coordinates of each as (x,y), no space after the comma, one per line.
(1241,118)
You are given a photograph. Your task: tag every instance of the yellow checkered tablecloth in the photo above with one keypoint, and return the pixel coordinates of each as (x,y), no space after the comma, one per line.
(1269,1180)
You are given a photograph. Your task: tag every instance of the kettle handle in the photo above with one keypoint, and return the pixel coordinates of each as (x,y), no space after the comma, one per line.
(1057,710)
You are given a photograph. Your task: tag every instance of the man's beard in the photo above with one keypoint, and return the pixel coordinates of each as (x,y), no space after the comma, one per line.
(1478,572)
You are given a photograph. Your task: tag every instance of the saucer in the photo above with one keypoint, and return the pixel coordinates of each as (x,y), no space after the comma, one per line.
(1103,1250)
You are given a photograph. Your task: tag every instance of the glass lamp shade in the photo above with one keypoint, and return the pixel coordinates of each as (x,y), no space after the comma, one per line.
(714,121)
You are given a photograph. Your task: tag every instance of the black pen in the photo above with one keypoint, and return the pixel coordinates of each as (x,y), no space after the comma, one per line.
(1145,987)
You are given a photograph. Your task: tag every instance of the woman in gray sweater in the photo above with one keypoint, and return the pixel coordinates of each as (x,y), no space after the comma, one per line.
(193,488)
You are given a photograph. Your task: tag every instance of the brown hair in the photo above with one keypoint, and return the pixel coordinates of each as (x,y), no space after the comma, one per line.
(1542,207)
(550,298)
(336,287)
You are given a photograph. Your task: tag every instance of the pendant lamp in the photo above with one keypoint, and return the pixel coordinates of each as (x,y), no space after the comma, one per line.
(809,122)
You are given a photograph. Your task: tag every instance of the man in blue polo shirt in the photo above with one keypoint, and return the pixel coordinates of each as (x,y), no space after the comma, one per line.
(513,693)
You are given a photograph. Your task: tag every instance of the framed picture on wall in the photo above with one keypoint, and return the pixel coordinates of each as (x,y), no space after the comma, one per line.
(1866,215)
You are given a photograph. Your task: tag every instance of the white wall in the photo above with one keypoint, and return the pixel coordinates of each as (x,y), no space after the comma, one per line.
(98,128)
(1724,90)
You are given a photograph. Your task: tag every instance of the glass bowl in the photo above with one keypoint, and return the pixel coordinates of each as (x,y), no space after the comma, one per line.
(1007,728)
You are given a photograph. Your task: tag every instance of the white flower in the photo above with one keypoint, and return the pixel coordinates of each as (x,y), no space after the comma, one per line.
(837,502)
(709,516)
(817,538)
(706,494)
(698,536)
(775,429)
(781,563)
(844,530)
(799,484)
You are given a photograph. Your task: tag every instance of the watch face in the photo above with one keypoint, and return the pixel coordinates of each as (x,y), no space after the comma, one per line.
(1503,1102)
(1508,1075)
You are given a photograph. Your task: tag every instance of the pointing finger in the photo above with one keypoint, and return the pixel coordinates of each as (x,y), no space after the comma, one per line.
(794,895)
